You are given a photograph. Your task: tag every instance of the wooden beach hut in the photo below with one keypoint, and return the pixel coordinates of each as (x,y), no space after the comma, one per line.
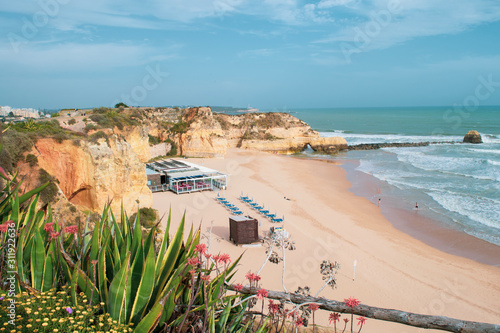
(243,230)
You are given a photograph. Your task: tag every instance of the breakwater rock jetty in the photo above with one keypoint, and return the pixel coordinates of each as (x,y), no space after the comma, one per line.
(473,137)
(370,146)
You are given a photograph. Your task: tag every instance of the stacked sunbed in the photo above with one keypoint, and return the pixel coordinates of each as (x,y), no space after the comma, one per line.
(261,209)
(232,208)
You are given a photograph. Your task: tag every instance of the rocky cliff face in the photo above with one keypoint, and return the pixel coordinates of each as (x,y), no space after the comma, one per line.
(209,135)
(91,174)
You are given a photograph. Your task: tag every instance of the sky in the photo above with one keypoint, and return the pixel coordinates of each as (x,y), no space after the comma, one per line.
(268,54)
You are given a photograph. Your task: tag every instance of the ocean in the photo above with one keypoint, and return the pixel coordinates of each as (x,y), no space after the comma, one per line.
(455,184)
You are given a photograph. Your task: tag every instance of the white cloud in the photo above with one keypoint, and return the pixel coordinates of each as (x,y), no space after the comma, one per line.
(383,26)
(69,57)
(336,3)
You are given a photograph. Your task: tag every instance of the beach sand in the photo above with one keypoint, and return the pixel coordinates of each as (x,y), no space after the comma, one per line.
(327,222)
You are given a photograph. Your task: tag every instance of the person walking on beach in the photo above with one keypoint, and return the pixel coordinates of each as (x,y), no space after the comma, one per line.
(378,202)
(416,205)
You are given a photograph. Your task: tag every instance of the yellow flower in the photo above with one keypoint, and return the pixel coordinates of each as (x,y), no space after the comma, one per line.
(36,313)
(44,324)
(45,319)
(55,330)
(101,324)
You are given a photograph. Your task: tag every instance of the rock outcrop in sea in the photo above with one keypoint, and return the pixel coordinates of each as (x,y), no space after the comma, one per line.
(473,137)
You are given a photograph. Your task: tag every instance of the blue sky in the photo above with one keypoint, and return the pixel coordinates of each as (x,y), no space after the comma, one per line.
(270,54)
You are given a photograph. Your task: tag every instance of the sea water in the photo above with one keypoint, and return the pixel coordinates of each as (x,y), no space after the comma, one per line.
(454,183)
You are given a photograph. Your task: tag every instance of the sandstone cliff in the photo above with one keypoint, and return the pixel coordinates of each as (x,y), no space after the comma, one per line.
(201,133)
(91,174)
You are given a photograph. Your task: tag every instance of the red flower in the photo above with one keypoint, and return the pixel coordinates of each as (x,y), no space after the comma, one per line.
(54,235)
(334,316)
(291,314)
(351,302)
(361,320)
(205,277)
(94,262)
(238,287)
(299,322)
(193,261)
(346,320)
(262,293)
(273,307)
(224,258)
(72,229)
(208,256)
(6,225)
(192,271)
(313,307)
(49,227)
(201,248)
(252,277)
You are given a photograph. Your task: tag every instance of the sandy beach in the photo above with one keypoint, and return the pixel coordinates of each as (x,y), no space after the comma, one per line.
(327,222)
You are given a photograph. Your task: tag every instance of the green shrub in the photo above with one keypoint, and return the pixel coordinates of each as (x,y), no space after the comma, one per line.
(102,109)
(98,135)
(121,104)
(6,160)
(89,127)
(147,216)
(72,121)
(55,114)
(32,160)
(179,128)
(48,195)
(153,140)
(60,137)
(173,149)
(16,143)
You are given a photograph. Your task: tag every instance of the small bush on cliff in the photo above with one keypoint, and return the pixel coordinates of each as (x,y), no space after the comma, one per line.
(55,114)
(147,216)
(179,128)
(48,194)
(16,144)
(153,140)
(98,135)
(121,104)
(72,121)
(32,160)
(102,109)
(173,148)
(89,127)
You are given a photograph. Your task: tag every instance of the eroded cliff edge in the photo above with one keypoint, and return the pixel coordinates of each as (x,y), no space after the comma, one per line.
(207,134)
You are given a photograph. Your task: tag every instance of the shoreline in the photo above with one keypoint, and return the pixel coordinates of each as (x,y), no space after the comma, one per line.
(430,231)
(328,222)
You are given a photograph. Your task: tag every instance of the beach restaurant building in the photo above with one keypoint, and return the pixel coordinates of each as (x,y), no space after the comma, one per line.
(183,177)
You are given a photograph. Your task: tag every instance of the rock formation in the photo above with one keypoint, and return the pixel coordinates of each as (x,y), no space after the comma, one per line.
(473,137)
(91,174)
(205,134)
(330,145)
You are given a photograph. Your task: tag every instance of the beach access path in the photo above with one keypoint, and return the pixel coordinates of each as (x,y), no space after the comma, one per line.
(327,222)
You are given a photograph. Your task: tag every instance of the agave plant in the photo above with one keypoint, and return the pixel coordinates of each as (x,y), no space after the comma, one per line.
(140,281)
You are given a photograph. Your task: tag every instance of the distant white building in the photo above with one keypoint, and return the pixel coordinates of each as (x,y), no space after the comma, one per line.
(24,112)
(4,110)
